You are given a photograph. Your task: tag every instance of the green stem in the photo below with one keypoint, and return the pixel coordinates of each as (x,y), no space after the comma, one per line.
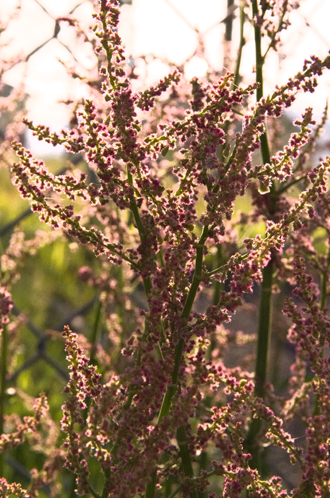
(176,491)
(325,278)
(72,490)
(95,331)
(147,288)
(184,451)
(264,328)
(185,457)
(217,284)
(139,225)
(166,405)
(171,388)
(251,442)
(151,486)
(229,21)
(241,45)
(260,59)
(105,45)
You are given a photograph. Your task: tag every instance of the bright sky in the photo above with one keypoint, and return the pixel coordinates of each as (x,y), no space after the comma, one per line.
(164,28)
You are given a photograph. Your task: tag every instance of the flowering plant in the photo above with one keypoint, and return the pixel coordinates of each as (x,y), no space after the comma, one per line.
(169,416)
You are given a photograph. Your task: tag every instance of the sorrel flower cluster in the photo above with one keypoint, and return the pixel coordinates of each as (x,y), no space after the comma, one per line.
(171,418)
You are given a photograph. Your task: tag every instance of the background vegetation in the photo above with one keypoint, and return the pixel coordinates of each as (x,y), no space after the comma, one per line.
(50,279)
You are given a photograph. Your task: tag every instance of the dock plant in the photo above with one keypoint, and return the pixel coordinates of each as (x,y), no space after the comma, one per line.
(163,410)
